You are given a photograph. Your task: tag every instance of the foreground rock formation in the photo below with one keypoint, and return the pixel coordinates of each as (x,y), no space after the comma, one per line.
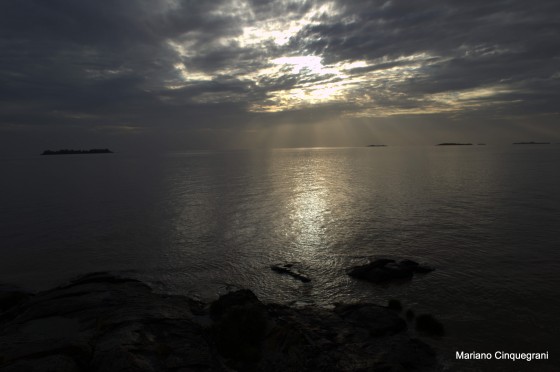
(103,323)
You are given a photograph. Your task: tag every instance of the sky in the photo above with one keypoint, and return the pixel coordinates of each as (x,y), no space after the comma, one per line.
(183,74)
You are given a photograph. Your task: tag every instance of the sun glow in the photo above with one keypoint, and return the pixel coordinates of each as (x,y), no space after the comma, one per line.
(291,79)
(279,30)
(274,63)
(300,63)
(317,83)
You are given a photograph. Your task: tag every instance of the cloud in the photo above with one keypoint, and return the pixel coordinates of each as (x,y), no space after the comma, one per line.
(168,64)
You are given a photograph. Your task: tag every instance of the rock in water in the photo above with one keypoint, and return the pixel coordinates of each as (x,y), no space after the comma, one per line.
(423,269)
(386,270)
(381,271)
(290,270)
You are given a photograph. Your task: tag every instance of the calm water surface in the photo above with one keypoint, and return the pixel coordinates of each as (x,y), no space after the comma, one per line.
(488,218)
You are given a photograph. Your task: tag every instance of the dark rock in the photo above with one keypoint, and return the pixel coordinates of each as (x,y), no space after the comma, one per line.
(353,337)
(57,362)
(387,270)
(416,267)
(423,269)
(429,325)
(378,320)
(381,262)
(241,323)
(409,315)
(243,298)
(10,299)
(409,263)
(101,277)
(381,271)
(412,355)
(289,270)
(394,305)
(105,323)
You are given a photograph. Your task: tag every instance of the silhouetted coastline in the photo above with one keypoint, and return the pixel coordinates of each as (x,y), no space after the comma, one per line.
(100,322)
(72,152)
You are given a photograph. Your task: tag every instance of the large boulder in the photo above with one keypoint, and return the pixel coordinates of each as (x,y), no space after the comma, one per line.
(429,325)
(104,323)
(240,325)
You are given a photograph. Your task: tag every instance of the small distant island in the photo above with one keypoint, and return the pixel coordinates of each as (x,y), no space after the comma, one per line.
(454,144)
(531,143)
(70,152)
(376,145)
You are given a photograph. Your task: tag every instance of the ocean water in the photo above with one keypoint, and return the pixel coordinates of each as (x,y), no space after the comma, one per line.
(203,223)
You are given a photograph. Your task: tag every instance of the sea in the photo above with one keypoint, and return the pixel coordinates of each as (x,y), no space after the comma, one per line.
(199,223)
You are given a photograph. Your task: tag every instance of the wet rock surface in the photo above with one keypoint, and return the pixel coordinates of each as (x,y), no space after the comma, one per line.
(387,270)
(291,270)
(104,323)
(429,325)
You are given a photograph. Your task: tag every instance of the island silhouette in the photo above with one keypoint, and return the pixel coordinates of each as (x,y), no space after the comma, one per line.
(72,151)
(454,144)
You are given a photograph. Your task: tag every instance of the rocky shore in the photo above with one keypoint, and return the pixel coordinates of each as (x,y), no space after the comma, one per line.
(100,322)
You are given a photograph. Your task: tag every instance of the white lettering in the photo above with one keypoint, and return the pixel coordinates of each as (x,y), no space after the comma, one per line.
(520,356)
(473,355)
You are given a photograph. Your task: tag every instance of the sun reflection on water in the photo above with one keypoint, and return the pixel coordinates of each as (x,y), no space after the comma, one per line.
(309,211)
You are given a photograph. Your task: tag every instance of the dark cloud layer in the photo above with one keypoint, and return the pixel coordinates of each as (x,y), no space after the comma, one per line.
(180,67)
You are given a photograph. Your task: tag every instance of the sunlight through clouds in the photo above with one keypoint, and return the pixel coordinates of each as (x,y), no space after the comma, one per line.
(191,76)
(311,63)
(270,46)
(211,67)
(319,84)
(280,29)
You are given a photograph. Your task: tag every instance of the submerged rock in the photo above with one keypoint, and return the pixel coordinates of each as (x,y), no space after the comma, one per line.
(386,270)
(104,323)
(289,269)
